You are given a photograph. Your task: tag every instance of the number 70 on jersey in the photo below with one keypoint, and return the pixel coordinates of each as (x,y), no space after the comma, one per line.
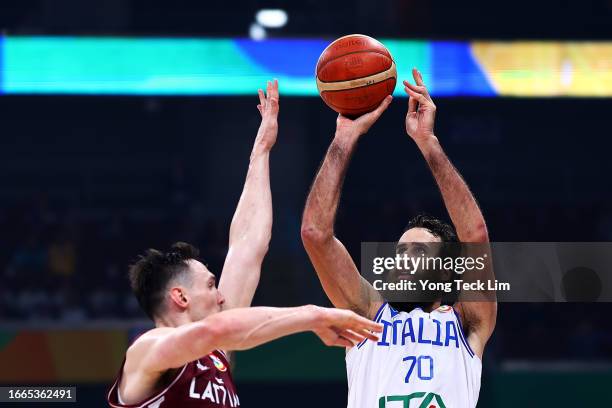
(424,367)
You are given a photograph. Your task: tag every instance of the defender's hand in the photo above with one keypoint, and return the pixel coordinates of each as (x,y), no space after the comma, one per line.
(361,125)
(268,108)
(421,110)
(343,328)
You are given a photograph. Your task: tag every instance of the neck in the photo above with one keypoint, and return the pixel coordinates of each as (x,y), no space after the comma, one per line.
(408,306)
(432,306)
(173,320)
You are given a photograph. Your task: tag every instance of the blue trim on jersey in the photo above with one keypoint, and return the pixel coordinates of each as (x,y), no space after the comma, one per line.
(377,318)
(461,335)
(378,314)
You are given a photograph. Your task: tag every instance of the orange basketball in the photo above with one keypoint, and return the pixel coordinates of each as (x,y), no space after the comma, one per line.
(354,74)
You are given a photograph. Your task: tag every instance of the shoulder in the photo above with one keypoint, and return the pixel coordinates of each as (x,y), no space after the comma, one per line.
(477,316)
(137,351)
(147,338)
(137,381)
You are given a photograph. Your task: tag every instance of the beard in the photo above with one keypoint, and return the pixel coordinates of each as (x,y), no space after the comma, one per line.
(420,298)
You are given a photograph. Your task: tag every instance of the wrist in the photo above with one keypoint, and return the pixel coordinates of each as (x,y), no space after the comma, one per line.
(267,126)
(346,138)
(261,148)
(313,316)
(427,144)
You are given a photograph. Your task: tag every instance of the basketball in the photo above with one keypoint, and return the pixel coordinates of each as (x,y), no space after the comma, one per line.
(354,74)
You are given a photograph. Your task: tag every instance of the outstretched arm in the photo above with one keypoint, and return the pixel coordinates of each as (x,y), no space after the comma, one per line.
(245,328)
(478,316)
(341,280)
(251,227)
(167,348)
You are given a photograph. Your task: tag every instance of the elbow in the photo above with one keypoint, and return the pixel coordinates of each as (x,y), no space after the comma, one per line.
(253,247)
(216,332)
(211,334)
(260,247)
(230,333)
(313,236)
(478,234)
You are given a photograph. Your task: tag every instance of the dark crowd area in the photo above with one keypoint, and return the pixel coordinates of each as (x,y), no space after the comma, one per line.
(89,183)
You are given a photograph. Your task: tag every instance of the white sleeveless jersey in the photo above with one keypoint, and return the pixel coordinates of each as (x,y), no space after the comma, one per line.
(422,360)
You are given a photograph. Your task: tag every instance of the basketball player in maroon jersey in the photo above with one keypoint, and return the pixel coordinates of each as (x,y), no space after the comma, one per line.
(184,361)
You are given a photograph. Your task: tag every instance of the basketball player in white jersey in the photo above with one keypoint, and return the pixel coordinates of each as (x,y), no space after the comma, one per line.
(429,354)
(184,360)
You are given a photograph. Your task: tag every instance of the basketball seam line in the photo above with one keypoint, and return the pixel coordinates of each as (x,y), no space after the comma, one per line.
(321,84)
(361,86)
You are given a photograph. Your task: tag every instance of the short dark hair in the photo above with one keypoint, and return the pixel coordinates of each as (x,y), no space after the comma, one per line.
(439,228)
(151,273)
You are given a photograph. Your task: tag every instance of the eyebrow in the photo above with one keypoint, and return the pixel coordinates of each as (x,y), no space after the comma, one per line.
(401,246)
(420,245)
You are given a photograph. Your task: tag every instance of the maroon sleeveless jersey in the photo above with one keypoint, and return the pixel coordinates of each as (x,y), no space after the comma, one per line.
(206,382)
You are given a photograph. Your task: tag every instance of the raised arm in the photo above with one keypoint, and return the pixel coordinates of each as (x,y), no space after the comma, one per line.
(339,276)
(251,227)
(478,316)
(166,348)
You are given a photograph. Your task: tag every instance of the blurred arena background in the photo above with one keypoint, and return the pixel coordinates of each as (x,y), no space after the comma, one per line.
(128,125)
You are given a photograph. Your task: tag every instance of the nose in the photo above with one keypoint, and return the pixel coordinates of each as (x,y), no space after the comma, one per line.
(220,298)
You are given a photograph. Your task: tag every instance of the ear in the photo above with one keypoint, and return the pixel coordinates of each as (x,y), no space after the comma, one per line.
(179,297)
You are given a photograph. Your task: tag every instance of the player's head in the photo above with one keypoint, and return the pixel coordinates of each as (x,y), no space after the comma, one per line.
(425,228)
(175,282)
(427,236)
